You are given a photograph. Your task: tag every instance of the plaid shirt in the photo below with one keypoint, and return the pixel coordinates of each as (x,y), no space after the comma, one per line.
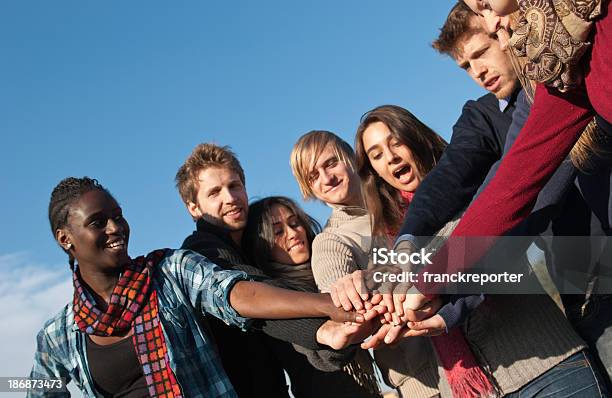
(188,286)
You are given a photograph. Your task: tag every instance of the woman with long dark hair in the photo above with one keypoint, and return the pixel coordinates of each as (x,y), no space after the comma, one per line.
(278,239)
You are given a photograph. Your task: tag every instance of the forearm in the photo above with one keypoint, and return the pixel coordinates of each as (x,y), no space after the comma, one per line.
(261,301)
(552,129)
(297,331)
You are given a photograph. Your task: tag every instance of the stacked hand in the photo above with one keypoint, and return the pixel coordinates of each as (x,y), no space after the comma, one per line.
(401,309)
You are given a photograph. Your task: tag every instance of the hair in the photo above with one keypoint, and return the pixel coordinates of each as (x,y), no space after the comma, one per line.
(68,191)
(258,237)
(202,157)
(383,201)
(307,150)
(459,25)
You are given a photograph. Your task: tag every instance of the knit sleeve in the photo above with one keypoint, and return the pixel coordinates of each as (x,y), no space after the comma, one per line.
(555,123)
(332,258)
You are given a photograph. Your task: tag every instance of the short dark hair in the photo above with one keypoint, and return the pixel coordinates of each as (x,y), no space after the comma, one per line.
(459,24)
(258,237)
(68,191)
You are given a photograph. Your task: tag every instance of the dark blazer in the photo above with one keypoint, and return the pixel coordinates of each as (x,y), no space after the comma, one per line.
(476,144)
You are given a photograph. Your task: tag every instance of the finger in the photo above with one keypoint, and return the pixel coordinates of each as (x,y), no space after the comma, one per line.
(393,334)
(334,296)
(342,297)
(371,314)
(352,294)
(423,313)
(359,285)
(436,322)
(347,316)
(376,298)
(398,303)
(376,339)
(388,317)
(388,300)
(368,305)
(415,333)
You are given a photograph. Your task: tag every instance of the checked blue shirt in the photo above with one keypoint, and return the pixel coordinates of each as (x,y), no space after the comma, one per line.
(188,286)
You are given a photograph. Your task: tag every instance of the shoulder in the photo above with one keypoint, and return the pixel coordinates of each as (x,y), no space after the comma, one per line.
(55,332)
(330,240)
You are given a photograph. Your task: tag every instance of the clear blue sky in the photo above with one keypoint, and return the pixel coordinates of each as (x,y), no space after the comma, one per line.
(122,91)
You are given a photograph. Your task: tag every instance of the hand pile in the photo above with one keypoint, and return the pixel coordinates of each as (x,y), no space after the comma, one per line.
(398,313)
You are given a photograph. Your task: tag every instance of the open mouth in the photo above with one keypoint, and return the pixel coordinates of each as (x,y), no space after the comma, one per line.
(403,174)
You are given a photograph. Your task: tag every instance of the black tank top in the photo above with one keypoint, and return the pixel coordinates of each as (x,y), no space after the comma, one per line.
(115,369)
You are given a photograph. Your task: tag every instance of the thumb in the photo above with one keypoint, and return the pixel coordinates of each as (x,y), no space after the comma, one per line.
(435,322)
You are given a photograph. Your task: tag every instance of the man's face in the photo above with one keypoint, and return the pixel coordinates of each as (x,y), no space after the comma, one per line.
(221,200)
(483,59)
(332,181)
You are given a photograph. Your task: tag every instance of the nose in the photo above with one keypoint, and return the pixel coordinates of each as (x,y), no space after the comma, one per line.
(291,232)
(326,177)
(492,22)
(391,156)
(113,227)
(229,196)
(478,70)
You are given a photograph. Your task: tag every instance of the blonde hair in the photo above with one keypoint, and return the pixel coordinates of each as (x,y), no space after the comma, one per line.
(202,157)
(306,152)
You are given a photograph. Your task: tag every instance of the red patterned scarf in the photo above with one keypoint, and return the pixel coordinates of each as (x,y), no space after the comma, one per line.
(132,305)
(465,377)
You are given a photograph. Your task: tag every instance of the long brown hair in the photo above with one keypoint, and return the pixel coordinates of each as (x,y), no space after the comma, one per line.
(384,202)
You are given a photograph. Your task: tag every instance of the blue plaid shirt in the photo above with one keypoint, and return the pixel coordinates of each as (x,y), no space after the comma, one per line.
(188,286)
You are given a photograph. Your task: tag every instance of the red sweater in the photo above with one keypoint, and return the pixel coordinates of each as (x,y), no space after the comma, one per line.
(553,127)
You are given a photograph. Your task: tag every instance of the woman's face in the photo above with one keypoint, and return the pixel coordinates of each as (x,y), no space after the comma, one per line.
(495,14)
(290,240)
(96,232)
(392,160)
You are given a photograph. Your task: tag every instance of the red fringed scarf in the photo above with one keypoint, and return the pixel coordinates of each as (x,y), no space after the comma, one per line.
(133,304)
(465,377)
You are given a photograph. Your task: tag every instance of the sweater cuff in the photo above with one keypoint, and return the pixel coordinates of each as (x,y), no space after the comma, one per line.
(458,309)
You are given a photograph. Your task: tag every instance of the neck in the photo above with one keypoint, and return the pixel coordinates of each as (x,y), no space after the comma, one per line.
(356,199)
(236,236)
(101,283)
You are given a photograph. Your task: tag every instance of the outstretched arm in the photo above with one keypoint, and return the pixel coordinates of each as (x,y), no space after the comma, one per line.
(259,300)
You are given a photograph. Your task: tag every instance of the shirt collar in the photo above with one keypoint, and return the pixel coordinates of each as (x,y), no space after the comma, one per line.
(503,103)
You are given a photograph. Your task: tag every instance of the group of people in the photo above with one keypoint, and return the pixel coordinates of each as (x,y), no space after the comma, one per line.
(260,293)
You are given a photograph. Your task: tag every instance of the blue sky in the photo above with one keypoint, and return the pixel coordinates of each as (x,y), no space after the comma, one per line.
(122,91)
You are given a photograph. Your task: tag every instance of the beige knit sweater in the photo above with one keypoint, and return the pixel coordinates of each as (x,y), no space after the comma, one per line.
(344,247)
(516,338)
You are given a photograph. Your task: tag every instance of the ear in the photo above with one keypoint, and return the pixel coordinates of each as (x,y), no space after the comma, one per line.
(63,238)
(194,210)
